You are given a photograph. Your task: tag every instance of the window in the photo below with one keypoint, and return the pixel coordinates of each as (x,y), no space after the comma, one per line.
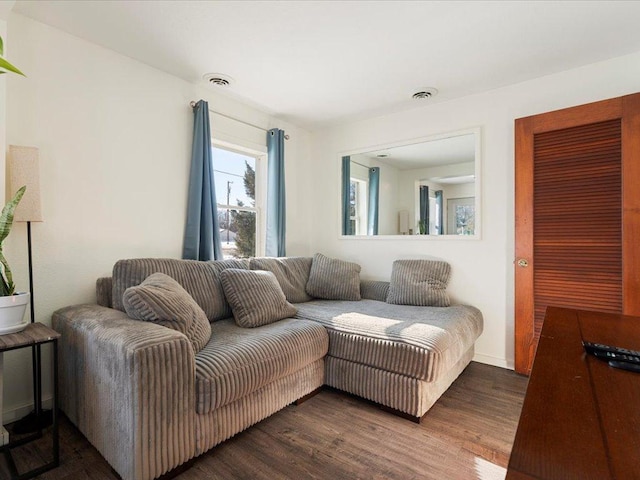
(461,213)
(358,207)
(238,177)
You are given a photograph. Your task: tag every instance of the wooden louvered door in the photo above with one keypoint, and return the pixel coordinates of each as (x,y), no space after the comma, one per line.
(577,215)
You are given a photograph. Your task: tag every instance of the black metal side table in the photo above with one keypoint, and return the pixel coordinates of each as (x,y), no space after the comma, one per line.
(34,335)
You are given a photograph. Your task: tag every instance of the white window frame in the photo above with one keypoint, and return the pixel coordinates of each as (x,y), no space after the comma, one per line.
(362,188)
(261,190)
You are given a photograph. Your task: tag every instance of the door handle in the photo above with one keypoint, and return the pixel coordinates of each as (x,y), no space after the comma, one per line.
(523,263)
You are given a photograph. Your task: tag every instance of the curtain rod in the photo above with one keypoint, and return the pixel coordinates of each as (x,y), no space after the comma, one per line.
(353,161)
(193,104)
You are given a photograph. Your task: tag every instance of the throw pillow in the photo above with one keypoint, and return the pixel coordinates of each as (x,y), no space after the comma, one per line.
(255,297)
(333,279)
(419,282)
(162,300)
(292,274)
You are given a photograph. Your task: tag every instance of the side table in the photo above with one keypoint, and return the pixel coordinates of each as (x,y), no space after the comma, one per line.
(34,335)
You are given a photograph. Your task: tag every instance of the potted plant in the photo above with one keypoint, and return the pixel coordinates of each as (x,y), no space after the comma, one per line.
(5,66)
(12,304)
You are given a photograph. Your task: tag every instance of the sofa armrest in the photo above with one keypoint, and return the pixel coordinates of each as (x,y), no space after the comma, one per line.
(129,386)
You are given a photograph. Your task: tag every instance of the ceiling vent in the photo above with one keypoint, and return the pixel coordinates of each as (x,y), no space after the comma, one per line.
(218,79)
(426,93)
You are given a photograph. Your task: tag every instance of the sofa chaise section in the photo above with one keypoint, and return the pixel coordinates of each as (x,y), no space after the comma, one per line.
(401,356)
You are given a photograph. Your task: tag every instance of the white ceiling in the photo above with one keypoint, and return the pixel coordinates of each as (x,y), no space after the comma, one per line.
(442,151)
(317,63)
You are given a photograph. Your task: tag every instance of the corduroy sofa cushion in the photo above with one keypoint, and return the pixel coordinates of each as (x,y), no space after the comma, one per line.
(292,274)
(419,342)
(419,282)
(200,279)
(333,279)
(255,297)
(160,299)
(238,361)
(374,290)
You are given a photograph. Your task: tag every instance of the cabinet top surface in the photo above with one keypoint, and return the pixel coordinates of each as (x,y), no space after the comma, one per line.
(580,418)
(33,334)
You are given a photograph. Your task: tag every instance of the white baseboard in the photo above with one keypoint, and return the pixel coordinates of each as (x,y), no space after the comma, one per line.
(495,361)
(16,413)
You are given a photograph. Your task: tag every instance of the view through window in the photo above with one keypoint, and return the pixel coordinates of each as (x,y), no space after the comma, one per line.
(357,207)
(235,179)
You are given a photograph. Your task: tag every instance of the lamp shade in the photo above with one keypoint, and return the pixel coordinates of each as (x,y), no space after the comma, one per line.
(24,169)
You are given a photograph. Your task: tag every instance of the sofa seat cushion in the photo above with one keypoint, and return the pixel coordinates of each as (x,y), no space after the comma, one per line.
(419,342)
(238,361)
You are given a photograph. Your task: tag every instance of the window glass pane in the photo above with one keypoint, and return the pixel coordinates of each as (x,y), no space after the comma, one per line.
(239,239)
(235,176)
(465,219)
(353,198)
(235,179)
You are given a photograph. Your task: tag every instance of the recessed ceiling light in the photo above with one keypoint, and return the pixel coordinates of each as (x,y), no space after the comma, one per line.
(425,93)
(218,79)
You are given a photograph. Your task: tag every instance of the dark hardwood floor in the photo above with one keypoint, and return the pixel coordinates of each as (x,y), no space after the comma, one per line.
(467,435)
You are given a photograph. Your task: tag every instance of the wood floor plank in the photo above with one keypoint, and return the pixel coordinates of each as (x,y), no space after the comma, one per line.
(467,435)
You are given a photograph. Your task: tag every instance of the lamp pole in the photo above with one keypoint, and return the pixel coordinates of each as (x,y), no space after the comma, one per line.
(229,183)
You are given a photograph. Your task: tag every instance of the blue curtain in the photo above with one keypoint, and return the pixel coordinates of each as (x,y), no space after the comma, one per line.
(374,194)
(202,233)
(424,210)
(276,212)
(346,196)
(440,218)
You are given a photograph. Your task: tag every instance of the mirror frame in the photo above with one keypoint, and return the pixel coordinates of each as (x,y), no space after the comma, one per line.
(477,131)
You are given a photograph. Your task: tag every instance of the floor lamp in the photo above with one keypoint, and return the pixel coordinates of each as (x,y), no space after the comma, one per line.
(24,170)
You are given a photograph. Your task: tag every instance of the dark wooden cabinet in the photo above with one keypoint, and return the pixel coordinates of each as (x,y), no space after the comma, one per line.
(580,418)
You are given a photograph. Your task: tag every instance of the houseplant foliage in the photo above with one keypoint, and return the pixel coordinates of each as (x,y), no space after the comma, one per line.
(6,221)
(5,66)
(6,218)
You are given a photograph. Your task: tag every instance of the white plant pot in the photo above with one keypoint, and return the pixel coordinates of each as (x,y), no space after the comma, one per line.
(12,309)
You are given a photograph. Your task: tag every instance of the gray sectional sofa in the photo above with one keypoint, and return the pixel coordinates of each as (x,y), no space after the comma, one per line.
(215,354)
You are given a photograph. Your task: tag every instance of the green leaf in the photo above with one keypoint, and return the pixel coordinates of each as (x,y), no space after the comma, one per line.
(6,279)
(6,221)
(10,68)
(6,217)
(1,46)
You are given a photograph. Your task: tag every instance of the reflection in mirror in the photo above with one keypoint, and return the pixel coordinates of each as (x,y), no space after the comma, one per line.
(425,188)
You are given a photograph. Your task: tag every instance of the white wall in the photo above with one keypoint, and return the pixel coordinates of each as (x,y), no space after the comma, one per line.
(115,144)
(482,269)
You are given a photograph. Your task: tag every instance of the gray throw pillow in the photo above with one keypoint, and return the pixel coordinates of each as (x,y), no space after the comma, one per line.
(419,282)
(162,300)
(292,274)
(333,279)
(255,297)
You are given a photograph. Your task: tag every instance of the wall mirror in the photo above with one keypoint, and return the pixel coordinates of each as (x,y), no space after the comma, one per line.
(428,187)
